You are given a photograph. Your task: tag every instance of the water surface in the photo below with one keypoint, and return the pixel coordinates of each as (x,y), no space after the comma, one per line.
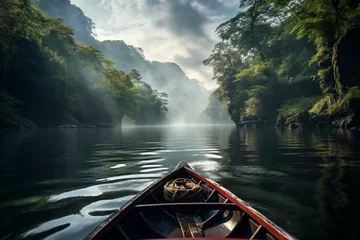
(60,184)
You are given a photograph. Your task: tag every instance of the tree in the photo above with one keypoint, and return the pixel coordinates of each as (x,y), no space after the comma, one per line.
(18,19)
(151,107)
(257,62)
(54,79)
(326,23)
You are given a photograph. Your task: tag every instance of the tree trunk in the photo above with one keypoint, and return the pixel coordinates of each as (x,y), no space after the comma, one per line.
(335,52)
(336,69)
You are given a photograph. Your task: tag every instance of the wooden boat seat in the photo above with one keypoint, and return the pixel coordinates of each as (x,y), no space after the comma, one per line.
(222,219)
(185,207)
(191,226)
(200,239)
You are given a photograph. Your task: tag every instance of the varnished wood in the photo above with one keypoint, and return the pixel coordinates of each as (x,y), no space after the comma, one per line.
(256,232)
(199,239)
(253,226)
(211,194)
(275,231)
(232,225)
(191,226)
(183,207)
(270,237)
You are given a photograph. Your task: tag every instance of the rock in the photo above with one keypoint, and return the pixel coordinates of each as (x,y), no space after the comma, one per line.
(294,126)
(88,126)
(67,126)
(280,121)
(335,124)
(28,124)
(249,126)
(303,118)
(104,125)
(320,121)
(244,123)
(70,120)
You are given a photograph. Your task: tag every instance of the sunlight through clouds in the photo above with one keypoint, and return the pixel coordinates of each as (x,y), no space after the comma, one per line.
(167,31)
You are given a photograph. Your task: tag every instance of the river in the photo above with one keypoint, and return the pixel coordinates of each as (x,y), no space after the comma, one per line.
(61,183)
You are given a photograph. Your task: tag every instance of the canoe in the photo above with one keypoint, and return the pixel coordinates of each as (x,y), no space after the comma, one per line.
(217,214)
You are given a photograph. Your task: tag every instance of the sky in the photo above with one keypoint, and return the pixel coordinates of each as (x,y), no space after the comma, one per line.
(180,31)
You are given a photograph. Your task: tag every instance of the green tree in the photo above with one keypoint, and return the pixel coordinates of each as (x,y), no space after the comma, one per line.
(49,78)
(18,19)
(257,62)
(151,107)
(326,23)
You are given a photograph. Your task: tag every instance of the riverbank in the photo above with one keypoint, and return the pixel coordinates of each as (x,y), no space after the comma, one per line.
(306,120)
(28,125)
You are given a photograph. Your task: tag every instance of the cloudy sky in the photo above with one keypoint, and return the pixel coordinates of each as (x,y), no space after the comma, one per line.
(180,31)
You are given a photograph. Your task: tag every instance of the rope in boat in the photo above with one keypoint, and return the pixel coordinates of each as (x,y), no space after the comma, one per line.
(182,190)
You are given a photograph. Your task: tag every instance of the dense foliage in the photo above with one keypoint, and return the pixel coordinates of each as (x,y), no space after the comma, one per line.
(152,106)
(47,77)
(285,56)
(216,111)
(187,98)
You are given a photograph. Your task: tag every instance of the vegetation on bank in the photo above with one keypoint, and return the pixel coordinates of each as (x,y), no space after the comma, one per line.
(216,112)
(187,97)
(284,57)
(48,79)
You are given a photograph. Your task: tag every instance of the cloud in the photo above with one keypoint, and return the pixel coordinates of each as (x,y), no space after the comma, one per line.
(181,31)
(182,18)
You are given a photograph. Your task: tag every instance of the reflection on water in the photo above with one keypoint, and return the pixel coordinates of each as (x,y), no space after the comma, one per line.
(60,184)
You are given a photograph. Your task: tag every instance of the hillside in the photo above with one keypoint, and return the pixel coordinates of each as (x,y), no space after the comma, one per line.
(187,97)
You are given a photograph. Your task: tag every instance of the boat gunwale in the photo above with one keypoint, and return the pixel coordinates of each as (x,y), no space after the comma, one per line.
(270,226)
(201,238)
(113,219)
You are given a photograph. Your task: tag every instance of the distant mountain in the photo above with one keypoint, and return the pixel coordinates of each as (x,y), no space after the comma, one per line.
(187,97)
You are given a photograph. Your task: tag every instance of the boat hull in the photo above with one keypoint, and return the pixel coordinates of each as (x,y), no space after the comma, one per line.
(220,215)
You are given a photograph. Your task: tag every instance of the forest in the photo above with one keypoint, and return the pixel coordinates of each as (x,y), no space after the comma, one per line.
(49,79)
(289,63)
(279,62)
(187,97)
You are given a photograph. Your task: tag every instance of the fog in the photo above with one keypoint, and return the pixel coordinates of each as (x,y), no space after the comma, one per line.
(187,98)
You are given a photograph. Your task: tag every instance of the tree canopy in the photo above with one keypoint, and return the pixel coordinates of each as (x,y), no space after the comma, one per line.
(49,78)
(273,51)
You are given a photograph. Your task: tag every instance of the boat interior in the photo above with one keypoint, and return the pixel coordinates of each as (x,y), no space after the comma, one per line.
(215,217)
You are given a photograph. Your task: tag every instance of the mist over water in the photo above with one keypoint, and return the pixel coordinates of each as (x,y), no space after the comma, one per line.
(60,184)
(187,98)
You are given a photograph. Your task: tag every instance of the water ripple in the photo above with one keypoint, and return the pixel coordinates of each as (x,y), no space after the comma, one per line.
(62,184)
(151,166)
(97,190)
(131,176)
(71,226)
(119,166)
(154,169)
(151,161)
